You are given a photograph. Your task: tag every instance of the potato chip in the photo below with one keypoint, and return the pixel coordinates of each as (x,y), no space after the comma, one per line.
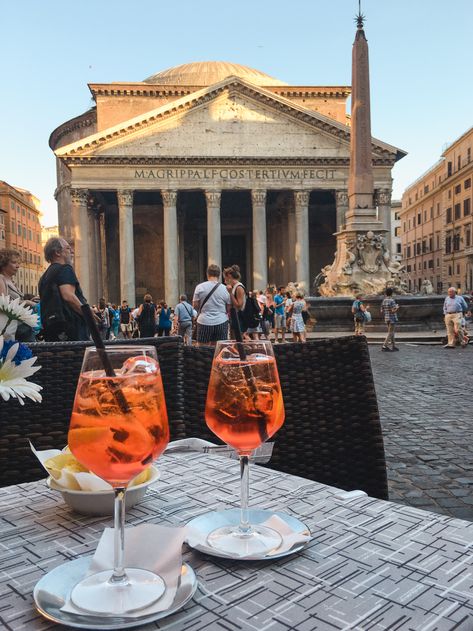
(142,477)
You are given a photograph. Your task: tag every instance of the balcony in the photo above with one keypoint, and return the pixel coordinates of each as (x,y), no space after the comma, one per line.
(469,250)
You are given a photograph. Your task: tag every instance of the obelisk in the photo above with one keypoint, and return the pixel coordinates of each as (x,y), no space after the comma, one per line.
(360,181)
(362,263)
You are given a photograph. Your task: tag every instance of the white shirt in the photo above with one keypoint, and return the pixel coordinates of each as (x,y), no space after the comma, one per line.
(215,309)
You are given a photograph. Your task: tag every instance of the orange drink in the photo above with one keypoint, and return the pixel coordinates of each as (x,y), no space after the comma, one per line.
(115,445)
(244,401)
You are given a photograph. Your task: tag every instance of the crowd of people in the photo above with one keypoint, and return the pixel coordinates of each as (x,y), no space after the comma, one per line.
(207,317)
(258,314)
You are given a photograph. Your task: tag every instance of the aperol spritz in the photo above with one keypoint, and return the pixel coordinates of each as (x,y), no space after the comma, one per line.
(244,408)
(118,427)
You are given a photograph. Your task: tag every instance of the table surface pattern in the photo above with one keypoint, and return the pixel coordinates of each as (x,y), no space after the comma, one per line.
(371,565)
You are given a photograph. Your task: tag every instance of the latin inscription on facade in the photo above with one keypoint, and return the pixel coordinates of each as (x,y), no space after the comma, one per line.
(234,174)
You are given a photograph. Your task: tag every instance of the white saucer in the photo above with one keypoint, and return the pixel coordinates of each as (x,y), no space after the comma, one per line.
(52,592)
(201,527)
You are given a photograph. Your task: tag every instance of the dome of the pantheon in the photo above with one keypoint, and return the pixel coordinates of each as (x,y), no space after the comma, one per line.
(204,73)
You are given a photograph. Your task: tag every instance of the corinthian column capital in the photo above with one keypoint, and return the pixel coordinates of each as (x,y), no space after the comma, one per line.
(125,197)
(382,196)
(301,198)
(213,198)
(169,197)
(79,196)
(341,197)
(258,197)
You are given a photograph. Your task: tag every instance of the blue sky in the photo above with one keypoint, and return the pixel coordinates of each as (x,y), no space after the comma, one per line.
(420,57)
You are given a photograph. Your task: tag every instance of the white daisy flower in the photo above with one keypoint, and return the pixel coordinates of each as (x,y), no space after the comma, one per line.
(13,383)
(12,312)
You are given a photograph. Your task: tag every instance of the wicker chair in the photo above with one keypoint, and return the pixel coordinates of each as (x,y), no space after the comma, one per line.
(332,431)
(46,424)
(331,434)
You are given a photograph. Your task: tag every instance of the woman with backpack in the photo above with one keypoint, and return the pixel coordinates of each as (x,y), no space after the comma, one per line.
(358,309)
(146,317)
(164,319)
(239,301)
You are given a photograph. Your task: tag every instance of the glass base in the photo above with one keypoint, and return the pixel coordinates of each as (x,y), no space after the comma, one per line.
(97,594)
(233,541)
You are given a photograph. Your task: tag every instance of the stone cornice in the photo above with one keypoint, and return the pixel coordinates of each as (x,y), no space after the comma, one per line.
(231,84)
(154,90)
(83,120)
(224,161)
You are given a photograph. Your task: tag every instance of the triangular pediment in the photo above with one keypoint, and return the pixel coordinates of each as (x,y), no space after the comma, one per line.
(230,119)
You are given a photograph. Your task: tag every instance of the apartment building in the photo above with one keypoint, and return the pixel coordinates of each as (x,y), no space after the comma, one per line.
(396,244)
(21,225)
(436,221)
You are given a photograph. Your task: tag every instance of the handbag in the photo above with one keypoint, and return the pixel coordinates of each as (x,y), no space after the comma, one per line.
(194,324)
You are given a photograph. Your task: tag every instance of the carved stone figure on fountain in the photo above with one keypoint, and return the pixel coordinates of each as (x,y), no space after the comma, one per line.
(370,250)
(426,288)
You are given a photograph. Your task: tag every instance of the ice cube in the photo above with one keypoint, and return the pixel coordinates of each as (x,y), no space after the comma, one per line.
(140,364)
(231,373)
(257,357)
(229,353)
(264,400)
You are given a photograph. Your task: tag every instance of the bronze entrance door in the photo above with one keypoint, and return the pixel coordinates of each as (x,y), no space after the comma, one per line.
(234,253)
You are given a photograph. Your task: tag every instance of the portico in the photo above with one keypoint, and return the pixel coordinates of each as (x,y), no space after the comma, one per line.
(230,173)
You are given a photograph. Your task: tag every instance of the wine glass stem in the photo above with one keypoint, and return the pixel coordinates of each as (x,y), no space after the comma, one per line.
(119,575)
(245,526)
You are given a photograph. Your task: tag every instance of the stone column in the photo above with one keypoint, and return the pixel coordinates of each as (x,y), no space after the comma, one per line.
(291,245)
(260,248)
(94,291)
(301,199)
(106,286)
(341,197)
(98,255)
(383,202)
(214,236)
(171,256)
(127,250)
(81,240)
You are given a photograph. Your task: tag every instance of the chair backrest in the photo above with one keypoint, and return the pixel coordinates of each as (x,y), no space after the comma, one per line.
(332,432)
(46,424)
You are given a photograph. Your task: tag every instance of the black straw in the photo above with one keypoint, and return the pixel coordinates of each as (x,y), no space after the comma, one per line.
(248,373)
(104,358)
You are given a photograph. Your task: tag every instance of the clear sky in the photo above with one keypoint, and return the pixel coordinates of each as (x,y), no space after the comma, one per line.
(420,58)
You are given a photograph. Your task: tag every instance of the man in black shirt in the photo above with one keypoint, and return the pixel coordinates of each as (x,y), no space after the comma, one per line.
(126,324)
(61,295)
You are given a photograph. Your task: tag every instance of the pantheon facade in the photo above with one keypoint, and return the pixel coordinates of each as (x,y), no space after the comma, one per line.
(207,162)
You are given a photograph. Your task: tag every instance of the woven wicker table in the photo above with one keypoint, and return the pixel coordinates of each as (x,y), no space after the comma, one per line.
(371,565)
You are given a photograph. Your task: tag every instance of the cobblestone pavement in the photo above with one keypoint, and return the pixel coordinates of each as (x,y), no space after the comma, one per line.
(426,406)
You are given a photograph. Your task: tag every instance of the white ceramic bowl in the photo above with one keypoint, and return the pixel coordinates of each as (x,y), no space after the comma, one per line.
(101,502)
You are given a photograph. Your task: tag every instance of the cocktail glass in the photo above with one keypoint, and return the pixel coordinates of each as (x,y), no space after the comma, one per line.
(118,427)
(244,408)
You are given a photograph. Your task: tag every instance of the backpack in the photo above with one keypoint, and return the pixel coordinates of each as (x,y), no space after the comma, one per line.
(250,315)
(359,314)
(104,318)
(56,316)
(147,314)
